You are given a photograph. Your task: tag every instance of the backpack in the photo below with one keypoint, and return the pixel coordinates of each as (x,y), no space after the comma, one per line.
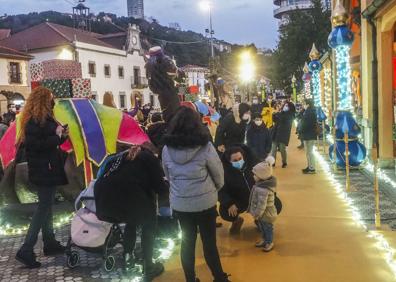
(88,231)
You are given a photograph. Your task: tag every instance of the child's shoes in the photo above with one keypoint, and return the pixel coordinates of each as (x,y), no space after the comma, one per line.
(260,244)
(268,247)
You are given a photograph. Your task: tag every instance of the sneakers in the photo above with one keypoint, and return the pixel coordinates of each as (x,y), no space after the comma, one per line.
(308,171)
(53,248)
(224,278)
(300,147)
(28,258)
(284,165)
(260,244)
(268,247)
(236,226)
(155,270)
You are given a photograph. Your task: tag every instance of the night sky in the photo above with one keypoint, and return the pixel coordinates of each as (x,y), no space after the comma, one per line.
(236,21)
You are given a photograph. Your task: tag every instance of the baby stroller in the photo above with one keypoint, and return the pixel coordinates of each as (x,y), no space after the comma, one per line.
(90,234)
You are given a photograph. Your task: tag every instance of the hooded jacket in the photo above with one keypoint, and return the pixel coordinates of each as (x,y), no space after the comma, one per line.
(283,125)
(308,125)
(195,175)
(231,129)
(259,140)
(262,200)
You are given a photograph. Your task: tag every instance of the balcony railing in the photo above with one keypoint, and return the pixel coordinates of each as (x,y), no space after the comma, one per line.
(284,9)
(139,82)
(15,77)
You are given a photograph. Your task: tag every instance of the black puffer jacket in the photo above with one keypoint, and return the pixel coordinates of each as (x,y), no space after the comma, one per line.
(259,140)
(44,158)
(309,124)
(128,194)
(231,130)
(237,183)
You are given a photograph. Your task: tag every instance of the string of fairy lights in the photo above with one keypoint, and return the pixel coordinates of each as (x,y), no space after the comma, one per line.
(327,90)
(316,88)
(344,80)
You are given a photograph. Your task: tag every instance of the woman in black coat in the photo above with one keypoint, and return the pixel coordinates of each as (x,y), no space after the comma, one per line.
(41,136)
(309,134)
(238,162)
(259,138)
(282,130)
(126,192)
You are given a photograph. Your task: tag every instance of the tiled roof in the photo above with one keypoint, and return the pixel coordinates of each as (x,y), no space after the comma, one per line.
(4,33)
(11,53)
(48,35)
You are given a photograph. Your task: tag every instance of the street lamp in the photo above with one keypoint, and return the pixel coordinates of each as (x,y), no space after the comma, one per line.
(207,6)
(247,70)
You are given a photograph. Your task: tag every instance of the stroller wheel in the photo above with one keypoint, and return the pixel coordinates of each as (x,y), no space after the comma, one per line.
(109,263)
(73,259)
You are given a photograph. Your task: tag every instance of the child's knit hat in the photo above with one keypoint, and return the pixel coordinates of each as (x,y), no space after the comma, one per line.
(263,170)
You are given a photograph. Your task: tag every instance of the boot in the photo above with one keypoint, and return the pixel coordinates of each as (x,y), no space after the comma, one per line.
(152,271)
(224,278)
(53,248)
(129,261)
(236,226)
(28,258)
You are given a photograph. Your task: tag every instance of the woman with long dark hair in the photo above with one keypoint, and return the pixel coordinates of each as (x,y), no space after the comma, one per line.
(42,136)
(196,175)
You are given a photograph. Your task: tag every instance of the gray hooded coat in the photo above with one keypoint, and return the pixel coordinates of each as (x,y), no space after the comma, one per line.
(195,175)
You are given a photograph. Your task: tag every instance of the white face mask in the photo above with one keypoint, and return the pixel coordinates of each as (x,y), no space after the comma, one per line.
(286,108)
(255,102)
(246,117)
(258,122)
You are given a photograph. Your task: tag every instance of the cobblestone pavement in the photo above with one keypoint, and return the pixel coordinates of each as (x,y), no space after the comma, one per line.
(54,268)
(362,193)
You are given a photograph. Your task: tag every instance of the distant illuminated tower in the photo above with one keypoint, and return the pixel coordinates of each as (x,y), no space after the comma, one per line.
(136,9)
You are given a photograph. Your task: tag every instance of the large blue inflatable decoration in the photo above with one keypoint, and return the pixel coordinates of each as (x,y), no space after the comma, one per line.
(341,39)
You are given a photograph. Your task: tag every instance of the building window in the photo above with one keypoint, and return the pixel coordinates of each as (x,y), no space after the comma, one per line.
(92,69)
(107,71)
(15,73)
(122,100)
(152,100)
(121,72)
(136,76)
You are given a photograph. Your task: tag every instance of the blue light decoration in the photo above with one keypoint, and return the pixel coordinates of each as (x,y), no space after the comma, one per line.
(315,66)
(341,39)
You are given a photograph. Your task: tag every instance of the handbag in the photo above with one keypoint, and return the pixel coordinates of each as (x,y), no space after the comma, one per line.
(278,204)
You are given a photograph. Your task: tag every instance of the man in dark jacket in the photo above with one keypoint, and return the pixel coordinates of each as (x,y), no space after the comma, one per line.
(258,138)
(10,115)
(282,130)
(232,128)
(238,162)
(126,192)
(309,134)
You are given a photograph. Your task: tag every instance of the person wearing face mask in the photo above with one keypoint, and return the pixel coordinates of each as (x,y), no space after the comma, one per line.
(257,106)
(232,128)
(259,138)
(238,162)
(282,130)
(41,136)
(309,134)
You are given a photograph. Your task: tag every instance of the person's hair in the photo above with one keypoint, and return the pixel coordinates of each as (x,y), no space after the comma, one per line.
(108,100)
(9,106)
(233,150)
(38,107)
(156,117)
(309,102)
(186,130)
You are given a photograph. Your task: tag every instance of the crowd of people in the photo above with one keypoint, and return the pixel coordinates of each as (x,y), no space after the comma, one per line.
(183,168)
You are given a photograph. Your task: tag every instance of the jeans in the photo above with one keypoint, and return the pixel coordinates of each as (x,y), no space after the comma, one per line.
(41,220)
(148,236)
(309,152)
(206,222)
(267,231)
(282,148)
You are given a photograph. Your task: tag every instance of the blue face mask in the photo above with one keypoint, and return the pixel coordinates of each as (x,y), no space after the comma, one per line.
(238,164)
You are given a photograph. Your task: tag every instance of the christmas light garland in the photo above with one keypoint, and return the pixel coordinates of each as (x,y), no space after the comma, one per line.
(344,81)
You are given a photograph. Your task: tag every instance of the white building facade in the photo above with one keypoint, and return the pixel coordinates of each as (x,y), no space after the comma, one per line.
(196,76)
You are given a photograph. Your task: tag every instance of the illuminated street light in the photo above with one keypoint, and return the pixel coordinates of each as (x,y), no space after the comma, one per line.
(247,68)
(207,7)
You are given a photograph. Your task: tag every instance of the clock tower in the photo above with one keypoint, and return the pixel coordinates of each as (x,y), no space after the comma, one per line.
(133,39)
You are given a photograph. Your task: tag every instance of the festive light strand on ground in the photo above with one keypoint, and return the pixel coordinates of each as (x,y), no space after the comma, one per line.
(344,81)
(382,243)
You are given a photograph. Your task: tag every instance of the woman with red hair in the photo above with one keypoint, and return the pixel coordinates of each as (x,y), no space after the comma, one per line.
(41,135)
